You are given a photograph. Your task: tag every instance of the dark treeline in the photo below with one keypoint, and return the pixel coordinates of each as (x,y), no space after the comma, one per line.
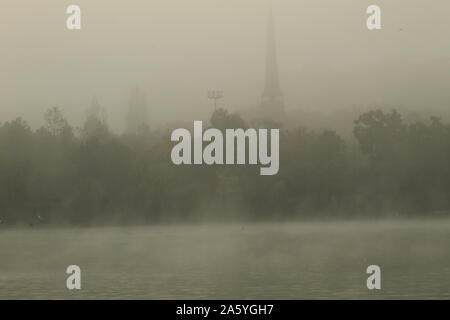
(58,174)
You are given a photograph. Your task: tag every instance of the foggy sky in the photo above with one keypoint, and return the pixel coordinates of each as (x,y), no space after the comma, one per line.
(176,50)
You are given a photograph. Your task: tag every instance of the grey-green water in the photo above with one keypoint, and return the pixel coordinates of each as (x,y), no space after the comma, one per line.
(280,261)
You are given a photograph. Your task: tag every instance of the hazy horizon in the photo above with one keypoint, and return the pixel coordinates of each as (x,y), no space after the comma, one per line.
(176,50)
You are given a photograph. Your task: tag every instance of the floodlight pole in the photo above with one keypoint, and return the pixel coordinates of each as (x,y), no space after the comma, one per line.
(215,95)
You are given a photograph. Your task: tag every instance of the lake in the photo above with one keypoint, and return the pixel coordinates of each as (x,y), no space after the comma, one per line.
(301,260)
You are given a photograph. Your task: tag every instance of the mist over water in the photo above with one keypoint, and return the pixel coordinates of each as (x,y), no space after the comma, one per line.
(304,260)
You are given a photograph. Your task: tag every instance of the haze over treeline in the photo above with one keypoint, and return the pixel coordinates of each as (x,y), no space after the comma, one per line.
(176,50)
(68,157)
(59,174)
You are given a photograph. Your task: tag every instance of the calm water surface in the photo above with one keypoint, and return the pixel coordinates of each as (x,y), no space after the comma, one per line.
(267,261)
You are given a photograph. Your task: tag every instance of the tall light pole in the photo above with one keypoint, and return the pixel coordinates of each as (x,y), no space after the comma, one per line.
(215,95)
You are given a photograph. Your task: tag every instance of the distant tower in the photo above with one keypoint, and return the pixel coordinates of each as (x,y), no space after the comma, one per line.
(137,117)
(96,120)
(95,111)
(272,103)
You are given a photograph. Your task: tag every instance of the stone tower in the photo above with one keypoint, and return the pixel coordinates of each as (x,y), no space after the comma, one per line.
(137,115)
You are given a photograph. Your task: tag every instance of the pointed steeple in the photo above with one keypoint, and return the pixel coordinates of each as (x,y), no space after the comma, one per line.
(272,97)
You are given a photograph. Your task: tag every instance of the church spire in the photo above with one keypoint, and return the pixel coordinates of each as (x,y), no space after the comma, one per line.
(272,97)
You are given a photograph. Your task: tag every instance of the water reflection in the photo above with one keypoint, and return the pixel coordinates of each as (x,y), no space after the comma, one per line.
(266,261)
